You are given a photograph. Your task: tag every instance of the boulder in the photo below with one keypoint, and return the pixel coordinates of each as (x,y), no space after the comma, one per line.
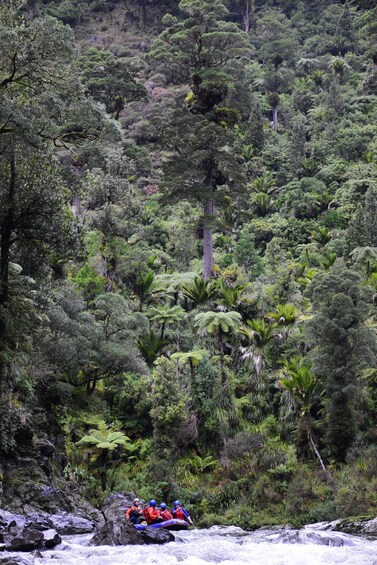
(117,532)
(51,538)
(360,526)
(25,539)
(28,539)
(116,505)
(158,536)
(68,524)
(18,533)
(38,521)
(120,532)
(363,526)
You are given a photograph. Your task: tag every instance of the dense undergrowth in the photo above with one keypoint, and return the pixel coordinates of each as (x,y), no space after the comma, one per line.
(189,250)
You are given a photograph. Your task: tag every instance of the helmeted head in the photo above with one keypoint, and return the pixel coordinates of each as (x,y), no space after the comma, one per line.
(152,503)
(137,501)
(163,505)
(176,503)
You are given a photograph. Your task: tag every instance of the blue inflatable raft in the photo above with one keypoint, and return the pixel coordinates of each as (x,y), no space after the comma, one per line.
(168,524)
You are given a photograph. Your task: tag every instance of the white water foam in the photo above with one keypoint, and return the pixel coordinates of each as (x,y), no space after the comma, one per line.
(228,546)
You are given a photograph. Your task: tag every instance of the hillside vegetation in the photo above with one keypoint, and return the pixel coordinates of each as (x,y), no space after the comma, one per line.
(188,251)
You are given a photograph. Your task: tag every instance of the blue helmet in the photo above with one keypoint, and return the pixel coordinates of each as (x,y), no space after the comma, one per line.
(152,503)
(163,505)
(176,503)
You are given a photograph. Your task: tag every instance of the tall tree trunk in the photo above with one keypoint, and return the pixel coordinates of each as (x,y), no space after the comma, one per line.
(274,119)
(248,15)
(209,209)
(314,447)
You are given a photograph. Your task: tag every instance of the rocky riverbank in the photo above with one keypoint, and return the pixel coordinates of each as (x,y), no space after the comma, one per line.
(39,531)
(358,526)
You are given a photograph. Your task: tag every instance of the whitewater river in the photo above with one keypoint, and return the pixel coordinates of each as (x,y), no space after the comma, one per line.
(225,545)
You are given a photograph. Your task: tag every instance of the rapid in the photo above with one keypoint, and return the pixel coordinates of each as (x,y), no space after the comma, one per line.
(225,545)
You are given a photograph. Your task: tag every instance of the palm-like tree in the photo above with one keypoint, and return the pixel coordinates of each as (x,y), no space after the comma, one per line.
(339,66)
(193,358)
(164,314)
(172,283)
(248,152)
(319,77)
(303,391)
(321,235)
(229,297)
(265,183)
(218,324)
(306,65)
(102,442)
(262,203)
(259,334)
(365,256)
(144,287)
(150,346)
(328,260)
(199,291)
(286,314)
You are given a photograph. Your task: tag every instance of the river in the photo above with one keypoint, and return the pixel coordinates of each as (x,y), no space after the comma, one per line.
(225,545)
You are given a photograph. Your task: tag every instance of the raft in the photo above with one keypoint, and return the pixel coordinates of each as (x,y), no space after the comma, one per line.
(174,524)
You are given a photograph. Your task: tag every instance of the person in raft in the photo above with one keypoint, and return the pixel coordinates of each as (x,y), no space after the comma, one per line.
(180,512)
(151,514)
(135,513)
(165,513)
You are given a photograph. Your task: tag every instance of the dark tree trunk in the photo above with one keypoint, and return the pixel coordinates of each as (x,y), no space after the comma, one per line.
(192,370)
(209,209)
(224,377)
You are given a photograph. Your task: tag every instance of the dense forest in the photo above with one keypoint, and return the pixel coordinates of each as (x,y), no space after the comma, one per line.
(188,252)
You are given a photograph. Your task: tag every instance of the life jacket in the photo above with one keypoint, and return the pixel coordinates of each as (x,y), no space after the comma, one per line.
(134,511)
(166,515)
(151,513)
(179,514)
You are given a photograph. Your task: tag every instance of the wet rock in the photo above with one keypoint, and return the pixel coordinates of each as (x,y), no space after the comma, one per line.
(158,536)
(116,504)
(116,533)
(38,522)
(51,538)
(363,526)
(15,561)
(44,447)
(9,520)
(24,539)
(68,524)
(18,533)
(320,539)
(119,532)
